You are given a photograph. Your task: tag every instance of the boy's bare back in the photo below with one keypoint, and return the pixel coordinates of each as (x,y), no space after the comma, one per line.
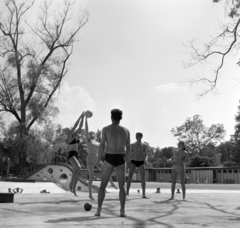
(116,138)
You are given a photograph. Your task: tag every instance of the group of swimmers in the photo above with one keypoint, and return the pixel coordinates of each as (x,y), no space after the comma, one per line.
(120,155)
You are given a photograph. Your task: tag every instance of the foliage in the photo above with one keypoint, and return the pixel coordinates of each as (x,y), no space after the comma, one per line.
(151,153)
(197,137)
(201,161)
(226,151)
(230,163)
(2,124)
(35,60)
(225,43)
(167,152)
(232,7)
(157,158)
(236,138)
(43,144)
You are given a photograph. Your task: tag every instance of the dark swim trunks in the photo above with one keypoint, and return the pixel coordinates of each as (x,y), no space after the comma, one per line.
(73,154)
(115,159)
(137,163)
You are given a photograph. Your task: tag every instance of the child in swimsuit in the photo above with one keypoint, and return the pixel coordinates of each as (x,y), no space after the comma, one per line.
(179,158)
(73,143)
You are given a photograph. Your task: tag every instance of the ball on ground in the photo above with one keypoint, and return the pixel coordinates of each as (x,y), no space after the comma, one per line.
(87,206)
(89,114)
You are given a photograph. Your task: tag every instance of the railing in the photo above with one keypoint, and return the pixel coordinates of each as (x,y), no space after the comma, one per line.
(33,168)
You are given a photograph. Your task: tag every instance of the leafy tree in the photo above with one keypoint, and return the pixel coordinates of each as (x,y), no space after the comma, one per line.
(161,163)
(35,58)
(201,161)
(2,124)
(167,152)
(59,143)
(98,135)
(151,156)
(227,151)
(197,137)
(160,157)
(230,163)
(219,47)
(236,138)
(42,144)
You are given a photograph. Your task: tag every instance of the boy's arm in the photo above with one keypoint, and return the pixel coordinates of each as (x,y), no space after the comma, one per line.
(146,154)
(171,159)
(131,154)
(102,145)
(80,125)
(128,148)
(86,129)
(76,124)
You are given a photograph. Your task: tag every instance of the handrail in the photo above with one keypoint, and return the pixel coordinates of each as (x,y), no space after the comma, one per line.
(62,158)
(34,166)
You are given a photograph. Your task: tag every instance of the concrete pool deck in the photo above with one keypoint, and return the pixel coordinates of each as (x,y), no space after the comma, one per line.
(65,210)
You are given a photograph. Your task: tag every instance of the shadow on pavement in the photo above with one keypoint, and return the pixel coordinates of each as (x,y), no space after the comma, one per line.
(214,208)
(112,212)
(238,219)
(76,219)
(53,202)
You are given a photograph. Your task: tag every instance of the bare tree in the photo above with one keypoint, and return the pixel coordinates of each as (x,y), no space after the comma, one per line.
(224,43)
(35,57)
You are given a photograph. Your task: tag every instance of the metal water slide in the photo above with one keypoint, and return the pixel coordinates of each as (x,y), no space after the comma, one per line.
(57,172)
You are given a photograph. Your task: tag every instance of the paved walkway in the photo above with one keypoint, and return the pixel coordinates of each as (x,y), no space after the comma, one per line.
(66,210)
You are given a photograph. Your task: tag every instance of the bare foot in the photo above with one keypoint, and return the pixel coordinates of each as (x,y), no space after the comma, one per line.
(91,198)
(74,192)
(98,213)
(70,186)
(145,197)
(74,187)
(171,198)
(122,214)
(114,186)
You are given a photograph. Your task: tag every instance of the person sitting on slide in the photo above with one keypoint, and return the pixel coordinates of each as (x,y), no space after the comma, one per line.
(73,143)
(92,157)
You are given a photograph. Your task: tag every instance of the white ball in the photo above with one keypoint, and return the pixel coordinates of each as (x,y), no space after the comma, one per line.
(89,114)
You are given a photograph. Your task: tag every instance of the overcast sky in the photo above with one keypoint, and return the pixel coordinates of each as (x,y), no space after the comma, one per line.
(130,57)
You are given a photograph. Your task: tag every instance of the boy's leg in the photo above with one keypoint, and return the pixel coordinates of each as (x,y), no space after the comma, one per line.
(174,180)
(130,175)
(143,180)
(106,173)
(122,191)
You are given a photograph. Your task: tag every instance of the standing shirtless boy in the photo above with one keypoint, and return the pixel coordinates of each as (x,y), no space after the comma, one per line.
(138,158)
(117,141)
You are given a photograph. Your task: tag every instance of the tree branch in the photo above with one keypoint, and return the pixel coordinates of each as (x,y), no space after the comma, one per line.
(62,74)
(202,57)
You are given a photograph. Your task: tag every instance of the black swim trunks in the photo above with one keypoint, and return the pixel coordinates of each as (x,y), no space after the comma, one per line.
(73,154)
(115,159)
(137,163)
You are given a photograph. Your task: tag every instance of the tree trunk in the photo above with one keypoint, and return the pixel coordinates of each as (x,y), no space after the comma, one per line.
(22,161)
(23,147)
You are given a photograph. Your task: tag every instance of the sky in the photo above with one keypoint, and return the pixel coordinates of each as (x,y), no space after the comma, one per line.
(130,56)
